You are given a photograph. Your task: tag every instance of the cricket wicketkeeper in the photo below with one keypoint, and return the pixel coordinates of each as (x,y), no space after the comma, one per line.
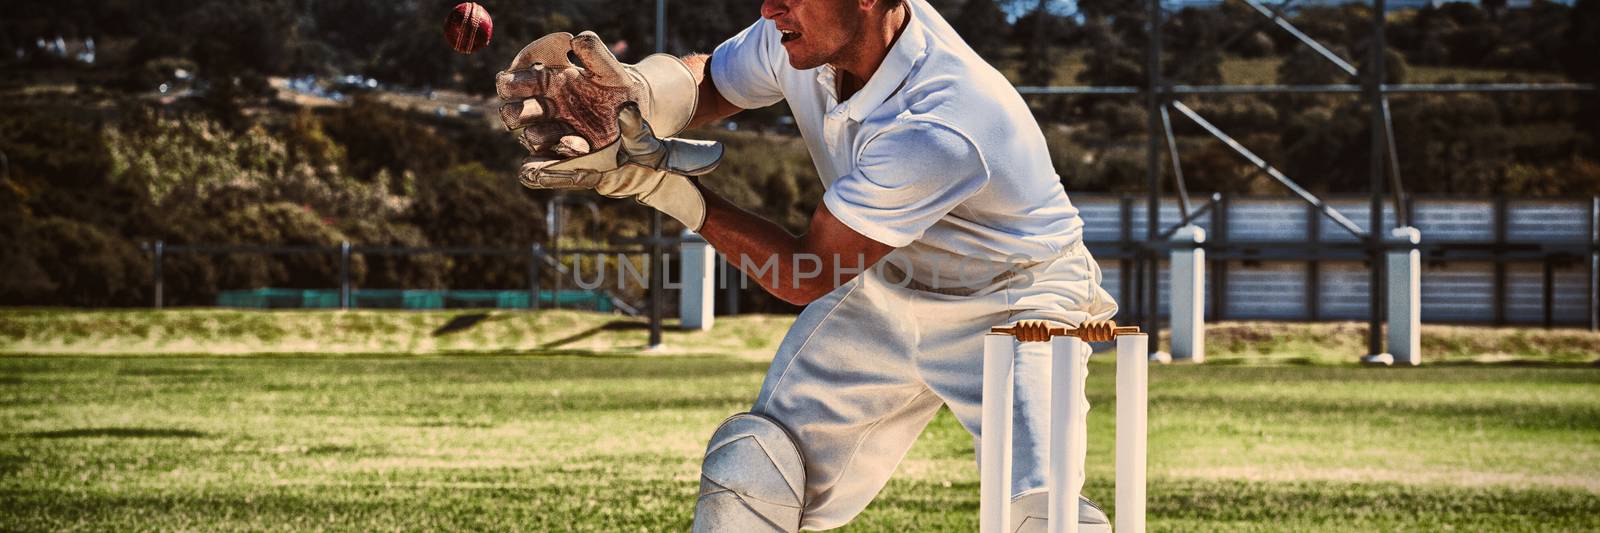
(942,218)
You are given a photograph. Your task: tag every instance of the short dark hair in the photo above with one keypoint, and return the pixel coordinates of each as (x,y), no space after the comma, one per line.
(891,4)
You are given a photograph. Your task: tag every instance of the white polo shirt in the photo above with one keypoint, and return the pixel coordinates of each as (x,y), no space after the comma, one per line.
(937,154)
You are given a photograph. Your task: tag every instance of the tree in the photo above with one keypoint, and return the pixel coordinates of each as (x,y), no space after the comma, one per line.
(1578,57)
(1452,143)
(1305,66)
(1037,67)
(469,205)
(235,40)
(711,21)
(420,271)
(983,25)
(422,59)
(85,266)
(1110,9)
(1237,17)
(281,223)
(1190,45)
(1395,67)
(22,279)
(1329,25)
(1330,147)
(1257,44)
(1495,8)
(1581,40)
(377,136)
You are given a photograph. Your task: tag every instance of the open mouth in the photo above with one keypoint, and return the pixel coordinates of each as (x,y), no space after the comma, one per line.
(788,36)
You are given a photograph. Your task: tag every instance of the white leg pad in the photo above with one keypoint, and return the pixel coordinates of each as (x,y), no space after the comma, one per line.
(752,480)
(1031,511)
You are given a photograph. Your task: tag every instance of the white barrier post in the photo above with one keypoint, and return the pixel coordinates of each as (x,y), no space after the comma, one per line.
(1188,304)
(695,303)
(1133,380)
(1066,433)
(1405,296)
(994,458)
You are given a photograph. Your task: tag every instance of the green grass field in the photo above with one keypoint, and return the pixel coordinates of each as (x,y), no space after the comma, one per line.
(556,422)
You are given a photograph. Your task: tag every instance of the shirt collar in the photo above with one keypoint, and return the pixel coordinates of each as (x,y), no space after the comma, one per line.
(890,75)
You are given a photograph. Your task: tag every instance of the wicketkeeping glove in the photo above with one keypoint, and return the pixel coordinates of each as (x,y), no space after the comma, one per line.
(655,172)
(561,110)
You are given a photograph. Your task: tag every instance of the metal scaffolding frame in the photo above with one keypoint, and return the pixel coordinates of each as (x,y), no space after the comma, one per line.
(1160,98)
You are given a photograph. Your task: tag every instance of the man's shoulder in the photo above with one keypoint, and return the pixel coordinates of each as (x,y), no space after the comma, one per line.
(956,86)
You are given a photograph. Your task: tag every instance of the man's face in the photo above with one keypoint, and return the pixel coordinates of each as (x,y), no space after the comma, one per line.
(815,32)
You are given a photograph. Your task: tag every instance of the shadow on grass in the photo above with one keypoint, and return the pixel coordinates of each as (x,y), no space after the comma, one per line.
(609,326)
(460,323)
(163,372)
(331,449)
(450,423)
(615,352)
(120,433)
(1520,363)
(1261,361)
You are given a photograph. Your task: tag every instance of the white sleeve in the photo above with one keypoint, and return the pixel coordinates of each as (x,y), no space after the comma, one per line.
(745,67)
(906,179)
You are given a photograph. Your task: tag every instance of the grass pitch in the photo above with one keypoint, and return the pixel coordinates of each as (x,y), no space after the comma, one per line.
(599,441)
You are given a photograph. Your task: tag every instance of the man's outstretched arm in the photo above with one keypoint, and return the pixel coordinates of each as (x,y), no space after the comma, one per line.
(796,269)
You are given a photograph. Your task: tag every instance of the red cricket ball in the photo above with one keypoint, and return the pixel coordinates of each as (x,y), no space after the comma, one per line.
(468,27)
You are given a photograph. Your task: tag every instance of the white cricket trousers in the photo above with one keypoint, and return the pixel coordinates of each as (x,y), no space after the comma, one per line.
(866,367)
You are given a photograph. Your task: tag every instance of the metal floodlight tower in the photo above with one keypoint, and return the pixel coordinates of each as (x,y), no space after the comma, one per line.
(1375,256)
(1153,103)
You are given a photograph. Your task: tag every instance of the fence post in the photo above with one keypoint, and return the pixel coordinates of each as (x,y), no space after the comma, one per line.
(1594,264)
(1219,271)
(534,253)
(1188,301)
(1405,296)
(344,275)
(1314,266)
(696,298)
(1549,292)
(160,289)
(1501,224)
